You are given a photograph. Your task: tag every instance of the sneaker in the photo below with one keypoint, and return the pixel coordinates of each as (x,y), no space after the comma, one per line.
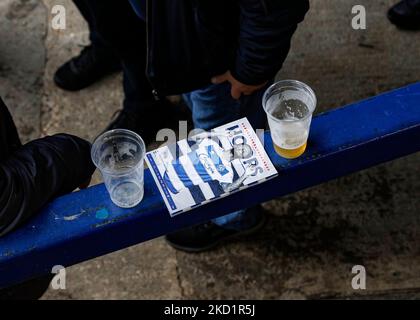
(91,65)
(208,235)
(406,14)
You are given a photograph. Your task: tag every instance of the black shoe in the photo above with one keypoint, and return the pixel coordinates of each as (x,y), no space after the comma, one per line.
(146,118)
(406,14)
(208,235)
(91,65)
(136,122)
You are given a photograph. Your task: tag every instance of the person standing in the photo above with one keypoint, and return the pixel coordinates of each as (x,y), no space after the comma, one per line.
(220,55)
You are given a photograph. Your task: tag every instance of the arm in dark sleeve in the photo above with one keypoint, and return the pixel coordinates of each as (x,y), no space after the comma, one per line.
(38,172)
(9,138)
(266,30)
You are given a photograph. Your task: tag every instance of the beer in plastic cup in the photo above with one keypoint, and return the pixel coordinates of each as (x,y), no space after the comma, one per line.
(289,105)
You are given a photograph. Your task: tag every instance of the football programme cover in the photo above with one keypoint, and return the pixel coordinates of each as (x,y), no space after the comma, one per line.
(209,165)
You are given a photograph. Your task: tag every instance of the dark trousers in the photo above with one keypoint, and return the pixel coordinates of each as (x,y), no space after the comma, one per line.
(115,27)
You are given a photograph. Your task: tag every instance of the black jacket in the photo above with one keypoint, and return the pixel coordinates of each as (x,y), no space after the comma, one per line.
(33,174)
(190,41)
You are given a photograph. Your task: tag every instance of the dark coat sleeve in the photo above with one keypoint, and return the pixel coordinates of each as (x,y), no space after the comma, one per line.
(266,30)
(9,138)
(39,171)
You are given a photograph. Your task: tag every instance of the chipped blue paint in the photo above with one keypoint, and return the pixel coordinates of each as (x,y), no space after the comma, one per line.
(72,217)
(342,141)
(102,214)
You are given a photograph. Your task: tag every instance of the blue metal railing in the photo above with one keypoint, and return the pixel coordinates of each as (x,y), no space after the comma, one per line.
(84,225)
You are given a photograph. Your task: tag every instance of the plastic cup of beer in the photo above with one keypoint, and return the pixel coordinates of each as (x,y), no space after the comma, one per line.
(289,105)
(119,156)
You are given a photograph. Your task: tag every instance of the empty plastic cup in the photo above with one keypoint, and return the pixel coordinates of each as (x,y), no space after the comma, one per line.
(289,105)
(119,155)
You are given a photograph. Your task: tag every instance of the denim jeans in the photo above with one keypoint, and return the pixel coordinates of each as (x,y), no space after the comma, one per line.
(213,106)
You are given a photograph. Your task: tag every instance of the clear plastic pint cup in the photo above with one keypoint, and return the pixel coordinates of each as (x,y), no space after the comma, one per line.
(289,105)
(119,155)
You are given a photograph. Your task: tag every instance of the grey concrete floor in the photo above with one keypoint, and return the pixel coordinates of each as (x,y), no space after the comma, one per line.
(313,237)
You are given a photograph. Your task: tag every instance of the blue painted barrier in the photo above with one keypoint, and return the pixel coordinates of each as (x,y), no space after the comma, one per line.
(84,225)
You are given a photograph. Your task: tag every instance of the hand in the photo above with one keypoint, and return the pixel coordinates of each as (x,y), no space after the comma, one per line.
(238,88)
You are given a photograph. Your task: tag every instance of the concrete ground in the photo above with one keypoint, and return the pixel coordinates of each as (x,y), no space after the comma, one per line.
(313,237)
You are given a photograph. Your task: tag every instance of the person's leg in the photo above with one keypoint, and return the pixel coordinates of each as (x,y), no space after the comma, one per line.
(116,35)
(83,7)
(141,112)
(214,106)
(116,29)
(115,25)
(99,58)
